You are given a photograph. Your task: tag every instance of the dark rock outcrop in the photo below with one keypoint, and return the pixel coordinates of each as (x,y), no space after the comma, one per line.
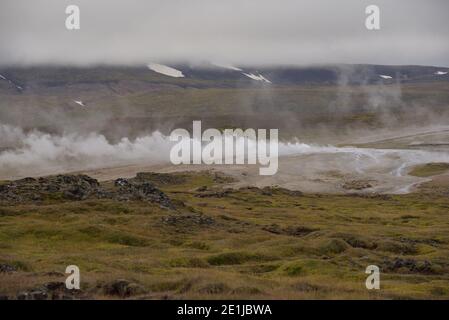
(160,178)
(122,288)
(33,295)
(409,265)
(71,187)
(188,220)
(54,290)
(132,189)
(6,268)
(213,193)
(81,187)
(294,231)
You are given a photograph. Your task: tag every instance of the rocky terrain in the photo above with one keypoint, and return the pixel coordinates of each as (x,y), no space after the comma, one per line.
(188,235)
(80,187)
(138,229)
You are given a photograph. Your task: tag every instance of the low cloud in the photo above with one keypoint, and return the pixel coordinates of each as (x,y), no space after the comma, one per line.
(232,31)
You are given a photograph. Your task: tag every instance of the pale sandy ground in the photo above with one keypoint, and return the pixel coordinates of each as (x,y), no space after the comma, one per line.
(381,165)
(321,173)
(331,171)
(400,136)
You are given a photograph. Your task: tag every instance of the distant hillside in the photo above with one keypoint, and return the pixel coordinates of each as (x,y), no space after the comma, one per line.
(23,79)
(127,101)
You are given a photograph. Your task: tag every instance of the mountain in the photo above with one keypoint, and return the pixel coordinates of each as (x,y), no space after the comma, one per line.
(208,75)
(127,101)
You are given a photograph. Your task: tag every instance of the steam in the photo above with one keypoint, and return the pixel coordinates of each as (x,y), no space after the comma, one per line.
(43,153)
(38,153)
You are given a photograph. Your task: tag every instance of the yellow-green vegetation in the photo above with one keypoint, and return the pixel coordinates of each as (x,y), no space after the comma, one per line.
(248,243)
(429,169)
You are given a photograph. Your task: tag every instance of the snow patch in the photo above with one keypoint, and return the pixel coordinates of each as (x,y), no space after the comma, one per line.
(441,73)
(79,102)
(227,66)
(257,77)
(383,76)
(15,85)
(165,70)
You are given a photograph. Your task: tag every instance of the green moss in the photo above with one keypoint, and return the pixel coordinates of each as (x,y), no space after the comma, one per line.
(21,265)
(293,269)
(334,246)
(429,169)
(110,239)
(231,258)
(188,263)
(200,245)
(127,240)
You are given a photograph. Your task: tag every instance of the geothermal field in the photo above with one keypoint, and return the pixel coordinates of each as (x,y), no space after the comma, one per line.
(86,179)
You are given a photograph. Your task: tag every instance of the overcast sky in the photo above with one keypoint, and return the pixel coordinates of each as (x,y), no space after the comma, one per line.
(224,31)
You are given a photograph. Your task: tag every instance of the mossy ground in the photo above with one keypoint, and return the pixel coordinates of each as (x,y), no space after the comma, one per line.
(248,252)
(429,169)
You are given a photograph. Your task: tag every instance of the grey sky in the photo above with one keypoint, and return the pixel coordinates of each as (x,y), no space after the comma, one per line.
(226,31)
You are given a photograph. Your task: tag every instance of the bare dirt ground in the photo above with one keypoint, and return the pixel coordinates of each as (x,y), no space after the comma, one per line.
(348,169)
(366,163)
(315,173)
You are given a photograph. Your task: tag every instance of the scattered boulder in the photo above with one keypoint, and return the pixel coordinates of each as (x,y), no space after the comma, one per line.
(81,187)
(357,241)
(306,287)
(53,274)
(213,194)
(54,285)
(132,189)
(33,295)
(295,231)
(6,268)
(54,290)
(376,196)
(249,188)
(429,241)
(26,180)
(267,191)
(357,184)
(214,288)
(400,248)
(57,290)
(246,291)
(160,178)
(288,192)
(222,178)
(187,220)
(201,189)
(76,193)
(122,288)
(408,265)
(73,187)
(273,190)
(121,182)
(334,246)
